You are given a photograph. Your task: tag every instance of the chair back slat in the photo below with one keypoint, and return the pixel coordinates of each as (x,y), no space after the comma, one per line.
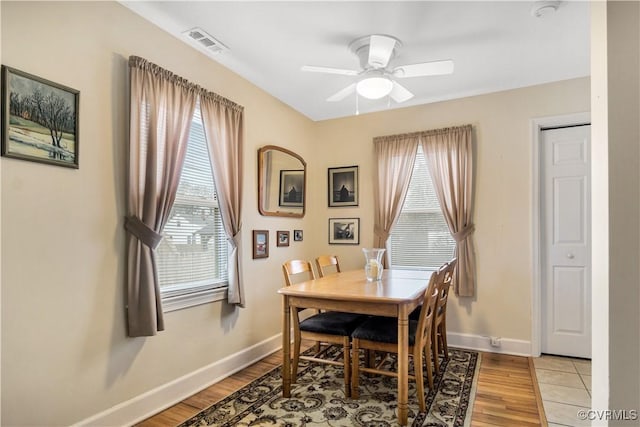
(425,321)
(444,286)
(297,267)
(326,264)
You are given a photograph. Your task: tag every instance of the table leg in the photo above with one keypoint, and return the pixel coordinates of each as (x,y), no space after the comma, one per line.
(403,365)
(286,346)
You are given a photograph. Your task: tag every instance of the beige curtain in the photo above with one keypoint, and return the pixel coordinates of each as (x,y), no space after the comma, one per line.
(161,110)
(450,156)
(223,124)
(395,156)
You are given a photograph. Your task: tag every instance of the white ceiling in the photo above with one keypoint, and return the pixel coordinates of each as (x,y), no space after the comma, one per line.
(495,45)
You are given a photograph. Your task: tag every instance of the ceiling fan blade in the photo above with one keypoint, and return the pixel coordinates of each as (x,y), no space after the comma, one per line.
(314,69)
(380,50)
(342,94)
(434,68)
(399,93)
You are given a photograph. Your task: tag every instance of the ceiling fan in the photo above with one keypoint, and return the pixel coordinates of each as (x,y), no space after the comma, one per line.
(376,79)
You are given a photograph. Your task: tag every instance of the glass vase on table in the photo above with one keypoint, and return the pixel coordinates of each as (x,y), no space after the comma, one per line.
(373,263)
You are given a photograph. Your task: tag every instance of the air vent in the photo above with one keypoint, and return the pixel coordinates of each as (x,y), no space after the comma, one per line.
(205,41)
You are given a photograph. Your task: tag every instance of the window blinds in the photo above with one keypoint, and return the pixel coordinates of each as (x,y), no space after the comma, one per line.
(193,253)
(420,238)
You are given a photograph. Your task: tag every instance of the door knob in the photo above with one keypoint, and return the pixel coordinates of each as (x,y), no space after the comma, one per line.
(570,255)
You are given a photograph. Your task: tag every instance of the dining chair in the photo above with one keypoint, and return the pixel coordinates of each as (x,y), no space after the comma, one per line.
(415,314)
(439,328)
(331,327)
(379,333)
(327,264)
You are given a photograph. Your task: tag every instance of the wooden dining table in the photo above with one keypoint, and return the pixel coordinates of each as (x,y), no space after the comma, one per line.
(397,294)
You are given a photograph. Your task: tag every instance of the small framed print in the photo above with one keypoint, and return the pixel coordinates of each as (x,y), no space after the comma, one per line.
(283,238)
(260,244)
(297,235)
(343,186)
(291,188)
(344,231)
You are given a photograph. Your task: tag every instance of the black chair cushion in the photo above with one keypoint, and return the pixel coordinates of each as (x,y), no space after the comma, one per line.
(333,323)
(383,329)
(415,314)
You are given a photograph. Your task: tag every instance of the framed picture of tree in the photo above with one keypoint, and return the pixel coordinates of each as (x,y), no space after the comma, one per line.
(39,119)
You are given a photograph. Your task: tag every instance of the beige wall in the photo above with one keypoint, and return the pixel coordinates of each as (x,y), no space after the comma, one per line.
(615,64)
(64,347)
(623,126)
(503,209)
(599,209)
(65,355)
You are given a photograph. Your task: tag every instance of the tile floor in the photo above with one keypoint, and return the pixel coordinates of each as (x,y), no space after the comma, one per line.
(565,387)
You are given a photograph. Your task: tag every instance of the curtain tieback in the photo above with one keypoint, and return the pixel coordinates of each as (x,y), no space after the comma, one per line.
(380,232)
(142,231)
(464,233)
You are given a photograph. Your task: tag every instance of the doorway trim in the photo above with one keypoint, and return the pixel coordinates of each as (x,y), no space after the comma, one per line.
(537,125)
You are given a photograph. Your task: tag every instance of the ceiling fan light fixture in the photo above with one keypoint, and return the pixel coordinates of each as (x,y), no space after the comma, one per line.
(376,78)
(374,87)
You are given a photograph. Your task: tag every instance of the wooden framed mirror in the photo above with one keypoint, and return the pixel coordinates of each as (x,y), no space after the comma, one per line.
(282,182)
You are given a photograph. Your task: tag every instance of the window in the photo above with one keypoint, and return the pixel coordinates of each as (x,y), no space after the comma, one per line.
(421,237)
(192,257)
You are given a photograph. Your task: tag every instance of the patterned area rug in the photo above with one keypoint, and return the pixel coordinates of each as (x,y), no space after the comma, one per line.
(317,399)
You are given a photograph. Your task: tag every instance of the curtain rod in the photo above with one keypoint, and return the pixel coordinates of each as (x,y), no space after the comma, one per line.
(143,64)
(422,133)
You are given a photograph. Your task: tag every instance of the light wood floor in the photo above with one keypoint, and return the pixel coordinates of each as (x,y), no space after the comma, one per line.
(506,393)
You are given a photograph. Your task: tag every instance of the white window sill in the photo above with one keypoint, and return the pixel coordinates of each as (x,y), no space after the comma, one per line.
(191,299)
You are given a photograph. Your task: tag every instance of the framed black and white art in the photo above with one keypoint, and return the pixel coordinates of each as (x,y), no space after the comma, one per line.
(344,231)
(343,186)
(291,188)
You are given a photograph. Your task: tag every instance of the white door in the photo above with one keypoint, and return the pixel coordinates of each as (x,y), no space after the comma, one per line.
(566,242)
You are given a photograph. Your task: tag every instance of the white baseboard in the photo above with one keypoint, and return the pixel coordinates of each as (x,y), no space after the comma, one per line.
(147,404)
(483,343)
